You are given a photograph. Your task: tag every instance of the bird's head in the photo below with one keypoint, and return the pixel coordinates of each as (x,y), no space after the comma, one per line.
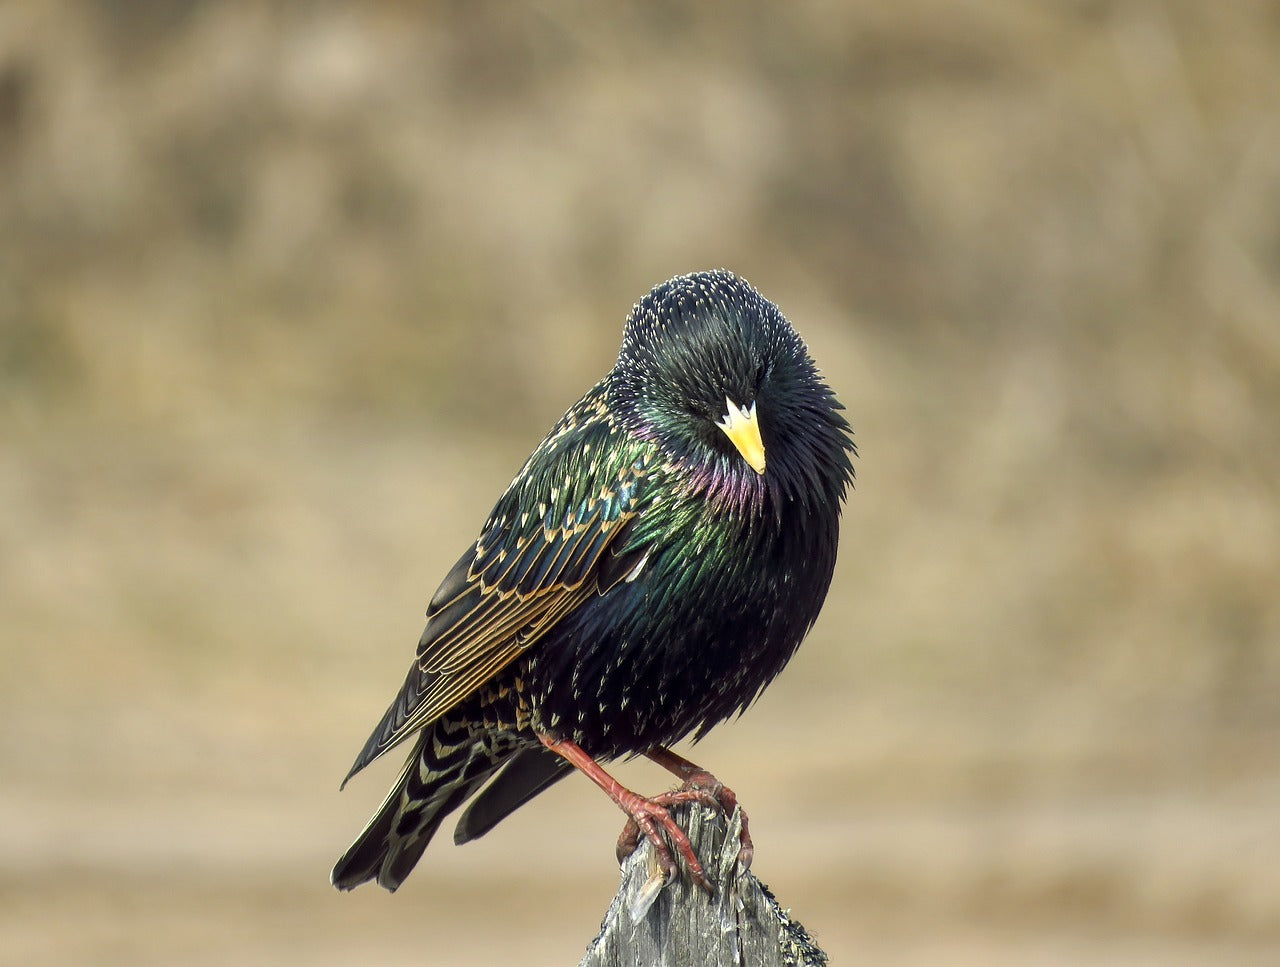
(713,372)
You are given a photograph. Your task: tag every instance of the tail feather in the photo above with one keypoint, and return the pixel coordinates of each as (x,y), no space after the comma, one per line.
(442,772)
(527,773)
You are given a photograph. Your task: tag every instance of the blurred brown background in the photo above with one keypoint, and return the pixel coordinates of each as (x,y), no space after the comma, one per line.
(288,292)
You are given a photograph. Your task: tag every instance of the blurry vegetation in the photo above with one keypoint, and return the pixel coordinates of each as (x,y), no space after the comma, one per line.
(288,290)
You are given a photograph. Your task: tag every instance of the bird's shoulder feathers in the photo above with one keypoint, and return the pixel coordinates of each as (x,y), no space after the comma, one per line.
(558,535)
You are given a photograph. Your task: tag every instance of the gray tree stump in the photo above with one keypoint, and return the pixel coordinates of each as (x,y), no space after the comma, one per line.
(651,924)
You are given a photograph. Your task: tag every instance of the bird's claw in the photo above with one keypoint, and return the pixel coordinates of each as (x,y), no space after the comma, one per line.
(646,815)
(716,792)
(724,797)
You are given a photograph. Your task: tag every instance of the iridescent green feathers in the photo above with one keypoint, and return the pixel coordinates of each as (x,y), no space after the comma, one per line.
(697,339)
(545,548)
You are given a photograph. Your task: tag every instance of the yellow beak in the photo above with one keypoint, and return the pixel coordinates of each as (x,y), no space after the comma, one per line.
(741,427)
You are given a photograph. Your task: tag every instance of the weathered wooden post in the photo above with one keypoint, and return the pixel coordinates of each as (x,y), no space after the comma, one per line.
(651,924)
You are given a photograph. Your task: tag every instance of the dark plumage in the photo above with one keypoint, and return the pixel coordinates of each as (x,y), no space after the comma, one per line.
(650,569)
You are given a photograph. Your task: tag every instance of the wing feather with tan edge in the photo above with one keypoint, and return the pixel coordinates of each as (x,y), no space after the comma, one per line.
(556,537)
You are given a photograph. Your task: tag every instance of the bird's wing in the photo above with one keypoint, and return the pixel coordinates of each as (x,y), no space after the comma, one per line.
(556,537)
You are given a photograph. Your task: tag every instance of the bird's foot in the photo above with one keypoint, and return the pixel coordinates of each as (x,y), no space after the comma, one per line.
(646,815)
(709,791)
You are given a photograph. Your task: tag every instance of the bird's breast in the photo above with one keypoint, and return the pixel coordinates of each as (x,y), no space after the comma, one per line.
(714,614)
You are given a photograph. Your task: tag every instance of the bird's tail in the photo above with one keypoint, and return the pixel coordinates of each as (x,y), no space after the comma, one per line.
(444,769)
(526,774)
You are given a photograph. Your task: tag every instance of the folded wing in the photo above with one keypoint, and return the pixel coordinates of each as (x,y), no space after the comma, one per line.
(558,535)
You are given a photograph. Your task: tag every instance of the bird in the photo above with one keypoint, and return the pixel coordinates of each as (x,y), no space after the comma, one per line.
(650,569)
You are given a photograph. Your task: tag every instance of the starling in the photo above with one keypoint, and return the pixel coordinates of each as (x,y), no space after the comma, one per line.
(650,569)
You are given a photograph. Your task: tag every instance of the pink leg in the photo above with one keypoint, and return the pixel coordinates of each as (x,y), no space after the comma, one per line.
(646,814)
(699,786)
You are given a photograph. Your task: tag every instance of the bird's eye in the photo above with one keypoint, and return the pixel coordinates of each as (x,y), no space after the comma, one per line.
(762,373)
